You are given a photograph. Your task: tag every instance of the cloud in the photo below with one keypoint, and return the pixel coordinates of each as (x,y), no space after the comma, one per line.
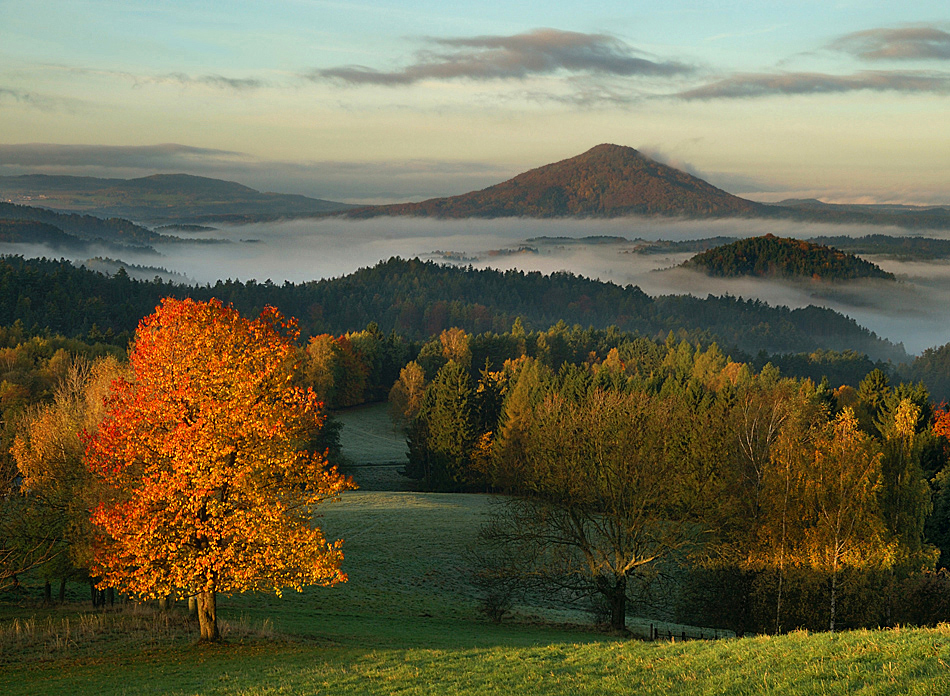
(748,85)
(907,43)
(239,84)
(215,80)
(169,155)
(538,52)
(37,101)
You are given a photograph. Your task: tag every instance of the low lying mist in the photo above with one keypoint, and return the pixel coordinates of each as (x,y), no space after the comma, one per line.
(911,311)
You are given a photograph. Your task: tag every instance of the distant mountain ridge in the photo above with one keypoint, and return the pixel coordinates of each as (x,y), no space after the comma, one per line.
(606,181)
(161,198)
(616,181)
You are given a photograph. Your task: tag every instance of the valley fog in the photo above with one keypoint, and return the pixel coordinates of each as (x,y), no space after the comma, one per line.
(911,311)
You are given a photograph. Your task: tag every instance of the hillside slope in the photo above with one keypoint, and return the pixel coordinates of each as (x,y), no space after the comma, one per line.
(778,257)
(86,227)
(161,197)
(420,299)
(606,181)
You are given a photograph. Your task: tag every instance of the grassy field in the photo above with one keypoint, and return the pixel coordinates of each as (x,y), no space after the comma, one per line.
(368,436)
(407,623)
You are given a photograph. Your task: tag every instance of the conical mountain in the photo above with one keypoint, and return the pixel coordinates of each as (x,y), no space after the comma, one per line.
(606,181)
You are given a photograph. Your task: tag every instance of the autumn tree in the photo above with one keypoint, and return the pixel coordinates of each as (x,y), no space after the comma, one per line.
(839,494)
(208,486)
(602,498)
(48,450)
(905,496)
(405,397)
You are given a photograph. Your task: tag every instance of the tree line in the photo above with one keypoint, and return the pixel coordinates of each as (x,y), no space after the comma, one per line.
(673,475)
(715,476)
(420,299)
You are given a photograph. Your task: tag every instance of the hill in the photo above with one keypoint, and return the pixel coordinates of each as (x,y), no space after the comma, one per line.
(32,232)
(907,216)
(606,181)
(420,299)
(616,181)
(67,226)
(161,197)
(897,247)
(777,257)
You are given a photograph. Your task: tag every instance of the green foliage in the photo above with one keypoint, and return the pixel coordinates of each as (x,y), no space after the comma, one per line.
(771,256)
(421,299)
(933,368)
(442,437)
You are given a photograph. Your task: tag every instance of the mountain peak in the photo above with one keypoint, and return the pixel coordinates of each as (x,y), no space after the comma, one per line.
(606,181)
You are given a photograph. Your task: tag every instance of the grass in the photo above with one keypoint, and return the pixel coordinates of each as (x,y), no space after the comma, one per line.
(368,436)
(406,623)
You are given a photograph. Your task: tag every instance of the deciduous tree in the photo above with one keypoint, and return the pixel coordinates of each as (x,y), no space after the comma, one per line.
(209,488)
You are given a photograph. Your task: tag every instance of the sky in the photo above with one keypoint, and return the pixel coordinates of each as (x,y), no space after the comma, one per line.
(847,101)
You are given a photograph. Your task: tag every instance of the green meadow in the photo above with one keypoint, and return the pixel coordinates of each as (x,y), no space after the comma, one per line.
(407,622)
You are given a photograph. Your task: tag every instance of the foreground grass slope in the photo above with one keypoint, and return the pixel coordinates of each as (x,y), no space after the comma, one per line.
(406,623)
(911,662)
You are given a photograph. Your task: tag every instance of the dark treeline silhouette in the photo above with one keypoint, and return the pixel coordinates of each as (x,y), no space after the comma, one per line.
(86,227)
(419,299)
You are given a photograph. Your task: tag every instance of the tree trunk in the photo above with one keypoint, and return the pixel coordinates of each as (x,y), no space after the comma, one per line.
(834,588)
(193,606)
(47,592)
(62,591)
(208,617)
(618,605)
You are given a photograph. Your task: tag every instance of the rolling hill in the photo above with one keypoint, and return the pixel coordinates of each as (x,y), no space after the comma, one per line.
(419,299)
(26,223)
(160,198)
(31,232)
(777,257)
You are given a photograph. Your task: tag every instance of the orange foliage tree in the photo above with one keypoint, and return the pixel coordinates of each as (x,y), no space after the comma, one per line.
(208,487)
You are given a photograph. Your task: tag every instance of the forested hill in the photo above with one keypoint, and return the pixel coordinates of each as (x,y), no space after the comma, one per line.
(419,299)
(606,181)
(31,232)
(85,227)
(778,257)
(615,181)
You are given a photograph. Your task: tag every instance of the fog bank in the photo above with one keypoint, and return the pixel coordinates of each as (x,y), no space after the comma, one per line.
(911,311)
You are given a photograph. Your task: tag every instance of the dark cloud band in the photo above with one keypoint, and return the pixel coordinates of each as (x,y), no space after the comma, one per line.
(906,43)
(143,156)
(750,85)
(539,52)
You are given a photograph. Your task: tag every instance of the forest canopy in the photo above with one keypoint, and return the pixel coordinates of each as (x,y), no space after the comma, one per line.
(778,257)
